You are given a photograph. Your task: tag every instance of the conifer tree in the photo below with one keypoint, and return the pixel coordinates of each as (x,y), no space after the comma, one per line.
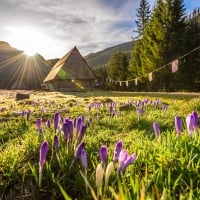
(118,67)
(189,75)
(143,15)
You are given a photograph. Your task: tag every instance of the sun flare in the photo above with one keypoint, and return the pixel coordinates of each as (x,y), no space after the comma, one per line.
(27,39)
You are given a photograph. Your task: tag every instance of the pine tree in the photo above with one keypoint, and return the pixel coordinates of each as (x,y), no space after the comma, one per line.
(118,67)
(143,15)
(162,40)
(189,74)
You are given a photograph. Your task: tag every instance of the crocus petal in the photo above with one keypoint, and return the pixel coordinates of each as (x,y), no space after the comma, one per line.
(195,115)
(78,150)
(82,132)
(122,158)
(78,125)
(84,158)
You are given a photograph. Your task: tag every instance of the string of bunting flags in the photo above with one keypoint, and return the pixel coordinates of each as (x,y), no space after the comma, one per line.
(174,68)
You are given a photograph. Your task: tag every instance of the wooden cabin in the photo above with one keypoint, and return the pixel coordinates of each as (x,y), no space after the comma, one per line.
(70,73)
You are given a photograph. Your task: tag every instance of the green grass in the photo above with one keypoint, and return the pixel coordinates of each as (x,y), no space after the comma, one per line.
(166,168)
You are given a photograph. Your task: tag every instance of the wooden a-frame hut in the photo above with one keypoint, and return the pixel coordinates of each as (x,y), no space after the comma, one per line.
(70,73)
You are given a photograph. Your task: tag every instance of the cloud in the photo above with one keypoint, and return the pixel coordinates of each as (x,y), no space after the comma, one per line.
(92,25)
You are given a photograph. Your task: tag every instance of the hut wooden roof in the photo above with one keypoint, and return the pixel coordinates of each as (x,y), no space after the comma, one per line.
(72,66)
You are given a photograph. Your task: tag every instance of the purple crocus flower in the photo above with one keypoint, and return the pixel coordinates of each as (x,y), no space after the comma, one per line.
(195,115)
(56,142)
(22,114)
(89,108)
(43,153)
(156,129)
(122,158)
(78,150)
(118,148)
(84,158)
(127,162)
(139,111)
(103,153)
(56,120)
(190,123)
(39,124)
(48,123)
(111,110)
(178,125)
(164,107)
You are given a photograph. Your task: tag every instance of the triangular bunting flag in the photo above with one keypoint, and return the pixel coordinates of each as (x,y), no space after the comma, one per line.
(126,83)
(150,76)
(136,82)
(174,66)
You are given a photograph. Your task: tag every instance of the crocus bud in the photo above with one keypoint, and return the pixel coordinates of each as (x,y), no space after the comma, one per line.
(190,123)
(56,120)
(39,124)
(84,158)
(78,125)
(139,111)
(103,153)
(71,128)
(56,142)
(178,125)
(99,175)
(164,107)
(195,115)
(48,123)
(118,148)
(109,170)
(28,114)
(66,129)
(43,153)
(156,129)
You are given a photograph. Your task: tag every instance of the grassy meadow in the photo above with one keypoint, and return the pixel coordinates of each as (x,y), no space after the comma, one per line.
(154,165)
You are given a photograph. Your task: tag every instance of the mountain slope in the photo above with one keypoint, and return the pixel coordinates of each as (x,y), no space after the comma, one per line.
(101,58)
(18,71)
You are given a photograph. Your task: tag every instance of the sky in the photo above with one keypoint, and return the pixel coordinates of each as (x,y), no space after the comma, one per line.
(52,27)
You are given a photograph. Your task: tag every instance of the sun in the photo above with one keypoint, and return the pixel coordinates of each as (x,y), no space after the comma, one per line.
(28,39)
(29,52)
